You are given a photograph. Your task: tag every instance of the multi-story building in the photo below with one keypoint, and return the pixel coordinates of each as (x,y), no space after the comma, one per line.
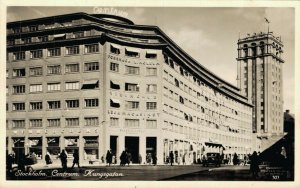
(260,79)
(98,82)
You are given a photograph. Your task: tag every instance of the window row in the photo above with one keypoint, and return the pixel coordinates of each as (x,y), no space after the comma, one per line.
(54,52)
(133,123)
(55,104)
(132,52)
(132,105)
(55,86)
(55,69)
(55,122)
(132,70)
(133,87)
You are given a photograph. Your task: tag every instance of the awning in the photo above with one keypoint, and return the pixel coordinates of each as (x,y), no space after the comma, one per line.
(151,52)
(132,50)
(115,46)
(115,82)
(59,35)
(91,82)
(115,101)
(214,144)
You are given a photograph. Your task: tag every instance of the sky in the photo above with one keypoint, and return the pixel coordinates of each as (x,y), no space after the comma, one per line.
(208,34)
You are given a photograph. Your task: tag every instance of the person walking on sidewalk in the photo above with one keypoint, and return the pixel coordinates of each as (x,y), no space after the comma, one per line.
(154,159)
(171,158)
(109,157)
(254,168)
(76,159)
(63,158)
(48,158)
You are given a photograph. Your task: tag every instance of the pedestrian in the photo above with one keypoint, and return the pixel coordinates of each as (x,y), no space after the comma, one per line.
(171,158)
(254,168)
(109,157)
(140,159)
(21,161)
(128,157)
(76,159)
(48,158)
(183,158)
(63,158)
(235,159)
(283,157)
(123,159)
(148,158)
(154,159)
(9,162)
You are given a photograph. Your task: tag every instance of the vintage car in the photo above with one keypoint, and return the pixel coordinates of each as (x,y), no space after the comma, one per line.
(212,159)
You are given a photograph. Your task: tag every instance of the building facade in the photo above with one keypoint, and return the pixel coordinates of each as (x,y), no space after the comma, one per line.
(260,79)
(98,82)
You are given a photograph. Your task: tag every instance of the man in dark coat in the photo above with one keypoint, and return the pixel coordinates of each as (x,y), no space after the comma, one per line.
(76,159)
(171,158)
(123,158)
(63,158)
(109,157)
(154,159)
(254,168)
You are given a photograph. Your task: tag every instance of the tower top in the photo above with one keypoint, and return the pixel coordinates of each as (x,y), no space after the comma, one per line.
(261,36)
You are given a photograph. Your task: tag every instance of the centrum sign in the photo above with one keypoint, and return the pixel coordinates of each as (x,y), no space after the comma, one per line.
(112,11)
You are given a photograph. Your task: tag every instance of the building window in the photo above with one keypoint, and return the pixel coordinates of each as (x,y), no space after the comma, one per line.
(18,123)
(72,121)
(151,71)
(132,123)
(53,122)
(20,106)
(151,88)
(91,121)
(36,123)
(27,40)
(132,105)
(18,56)
(151,105)
(115,103)
(132,87)
(90,84)
(114,85)
(53,104)
(43,39)
(114,67)
(176,82)
(91,66)
(72,50)
(36,54)
(34,88)
(36,105)
(91,48)
(17,30)
(72,103)
(114,49)
(71,68)
(72,85)
(36,71)
(19,72)
(131,53)
(52,52)
(181,100)
(18,89)
(91,102)
(53,86)
(114,122)
(132,70)
(151,55)
(54,69)
(33,28)
(78,34)
(151,124)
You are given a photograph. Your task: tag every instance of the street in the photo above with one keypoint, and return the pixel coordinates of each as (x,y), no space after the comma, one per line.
(144,173)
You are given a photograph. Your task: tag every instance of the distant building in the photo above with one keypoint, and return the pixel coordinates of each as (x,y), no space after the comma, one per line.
(260,79)
(98,82)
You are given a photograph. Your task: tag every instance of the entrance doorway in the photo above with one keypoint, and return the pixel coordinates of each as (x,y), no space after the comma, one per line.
(132,147)
(151,145)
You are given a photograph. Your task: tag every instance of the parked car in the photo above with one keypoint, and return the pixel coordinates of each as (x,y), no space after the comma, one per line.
(212,158)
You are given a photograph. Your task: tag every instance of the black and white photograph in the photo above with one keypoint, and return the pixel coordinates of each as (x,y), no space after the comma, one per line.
(149,93)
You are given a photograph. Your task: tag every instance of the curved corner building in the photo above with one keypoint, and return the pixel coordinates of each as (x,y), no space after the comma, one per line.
(92,82)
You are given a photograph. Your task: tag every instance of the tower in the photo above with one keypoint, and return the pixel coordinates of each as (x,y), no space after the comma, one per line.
(260,79)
